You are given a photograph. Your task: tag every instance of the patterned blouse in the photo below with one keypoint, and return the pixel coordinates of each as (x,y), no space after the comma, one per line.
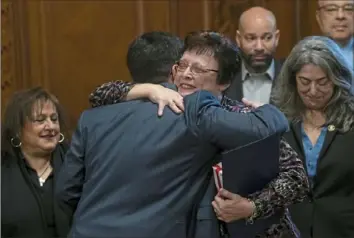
(290,187)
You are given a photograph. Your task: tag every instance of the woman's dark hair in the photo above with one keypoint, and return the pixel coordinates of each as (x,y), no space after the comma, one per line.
(19,109)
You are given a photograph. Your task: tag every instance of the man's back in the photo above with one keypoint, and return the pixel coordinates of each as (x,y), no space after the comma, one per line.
(149,173)
(140,173)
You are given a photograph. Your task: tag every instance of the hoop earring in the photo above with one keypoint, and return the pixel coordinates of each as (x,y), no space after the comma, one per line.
(13,143)
(61,137)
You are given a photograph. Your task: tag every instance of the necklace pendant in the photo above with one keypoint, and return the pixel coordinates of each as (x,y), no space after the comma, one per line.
(41,181)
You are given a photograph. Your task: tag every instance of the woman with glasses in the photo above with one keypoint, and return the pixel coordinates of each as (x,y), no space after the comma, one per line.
(313,91)
(209,62)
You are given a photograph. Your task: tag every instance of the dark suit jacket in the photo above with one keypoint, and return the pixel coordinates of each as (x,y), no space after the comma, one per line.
(22,209)
(329,212)
(207,225)
(235,91)
(129,173)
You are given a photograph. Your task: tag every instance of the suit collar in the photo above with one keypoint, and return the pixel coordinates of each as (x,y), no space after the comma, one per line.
(328,140)
(62,215)
(235,91)
(237,87)
(277,66)
(296,130)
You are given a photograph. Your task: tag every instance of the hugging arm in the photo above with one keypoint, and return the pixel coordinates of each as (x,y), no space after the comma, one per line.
(290,187)
(230,130)
(110,93)
(120,91)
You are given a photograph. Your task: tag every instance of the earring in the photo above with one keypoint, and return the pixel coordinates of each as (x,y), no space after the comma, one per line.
(61,138)
(13,143)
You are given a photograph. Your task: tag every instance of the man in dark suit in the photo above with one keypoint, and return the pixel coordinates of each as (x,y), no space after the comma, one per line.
(257,36)
(129,173)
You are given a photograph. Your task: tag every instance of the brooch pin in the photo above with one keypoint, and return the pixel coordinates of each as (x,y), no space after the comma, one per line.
(331,128)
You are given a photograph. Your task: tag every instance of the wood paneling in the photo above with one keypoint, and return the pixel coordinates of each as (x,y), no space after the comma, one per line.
(193,15)
(155,15)
(7,52)
(13,59)
(307,16)
(228,13)
(72,46)
(285,12)
(84,47)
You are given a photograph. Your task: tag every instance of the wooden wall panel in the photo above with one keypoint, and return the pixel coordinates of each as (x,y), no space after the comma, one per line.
(7,52)
(285,13)
(194,15)
(12,71)
(83,45)
(307,18)
(229,11)
(70,47)
(155,15)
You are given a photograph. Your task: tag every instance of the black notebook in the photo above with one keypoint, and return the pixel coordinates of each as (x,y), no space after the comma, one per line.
(247,170)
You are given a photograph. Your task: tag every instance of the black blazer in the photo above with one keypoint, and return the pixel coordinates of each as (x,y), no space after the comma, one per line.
(329,211)
(235,91)
(21,208)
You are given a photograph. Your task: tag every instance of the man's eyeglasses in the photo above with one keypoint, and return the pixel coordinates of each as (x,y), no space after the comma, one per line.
(333,9)
(183,66)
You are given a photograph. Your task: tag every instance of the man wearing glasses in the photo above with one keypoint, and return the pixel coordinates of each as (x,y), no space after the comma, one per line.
(336,20)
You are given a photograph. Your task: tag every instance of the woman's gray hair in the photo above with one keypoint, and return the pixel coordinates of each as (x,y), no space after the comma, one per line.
(325,53)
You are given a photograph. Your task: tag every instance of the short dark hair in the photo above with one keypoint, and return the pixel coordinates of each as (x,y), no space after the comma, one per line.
(19,109)
(151,56)
(224,51)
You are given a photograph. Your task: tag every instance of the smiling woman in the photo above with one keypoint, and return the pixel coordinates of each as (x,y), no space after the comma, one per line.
(32,152)
(209,62)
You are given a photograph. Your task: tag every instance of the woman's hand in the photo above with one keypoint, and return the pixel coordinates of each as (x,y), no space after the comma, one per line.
(157,94)
(165,97)
(252,104)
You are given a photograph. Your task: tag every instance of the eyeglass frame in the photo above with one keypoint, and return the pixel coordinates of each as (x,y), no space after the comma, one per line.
(192,68)
(336,9)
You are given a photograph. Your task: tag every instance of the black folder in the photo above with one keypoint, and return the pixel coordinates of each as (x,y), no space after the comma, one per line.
(247,170)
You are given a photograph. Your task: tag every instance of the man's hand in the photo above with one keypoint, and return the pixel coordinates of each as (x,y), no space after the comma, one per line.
(251,103)
(231,207)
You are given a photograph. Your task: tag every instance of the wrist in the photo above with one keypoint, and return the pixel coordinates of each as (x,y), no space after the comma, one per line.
(140,91)
(150,90)
(252,211)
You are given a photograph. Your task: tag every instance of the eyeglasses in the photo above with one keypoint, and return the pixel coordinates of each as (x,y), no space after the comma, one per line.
(331,10)
(183,66)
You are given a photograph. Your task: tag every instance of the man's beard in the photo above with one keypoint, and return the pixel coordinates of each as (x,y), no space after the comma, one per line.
(255,66)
